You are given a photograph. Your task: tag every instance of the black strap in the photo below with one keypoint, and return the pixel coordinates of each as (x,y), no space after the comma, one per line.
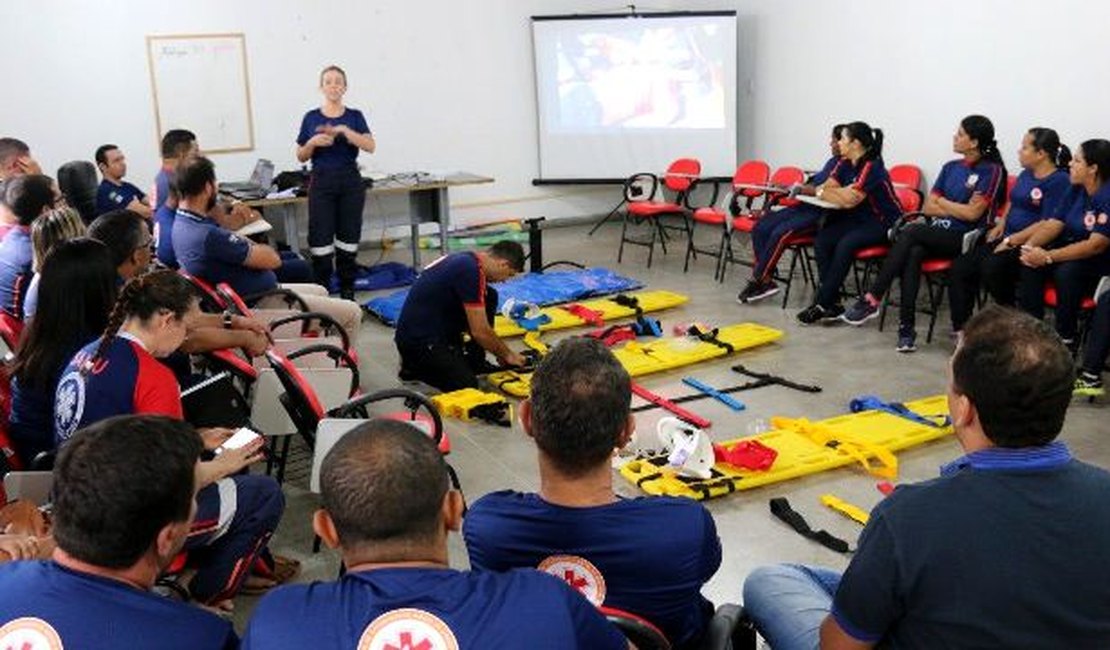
(711,337)
(781,509)
(632,302)
(775,379)
(492,413)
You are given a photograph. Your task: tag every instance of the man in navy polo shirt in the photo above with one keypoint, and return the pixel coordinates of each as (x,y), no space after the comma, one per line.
(122,509)
(177,145)
(27,196)
(205,249)
(114,193)
(649,556)
(451,298)
(388,507)
(1009,548)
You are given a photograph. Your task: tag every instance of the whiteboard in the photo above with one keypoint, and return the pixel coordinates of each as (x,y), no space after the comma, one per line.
(200,82)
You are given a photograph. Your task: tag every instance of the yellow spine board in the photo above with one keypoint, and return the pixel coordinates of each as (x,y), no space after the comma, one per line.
(659,355)
(799,454)
(649,301)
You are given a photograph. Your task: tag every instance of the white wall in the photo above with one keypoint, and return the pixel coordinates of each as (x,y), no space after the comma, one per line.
(448,83)
(915,68)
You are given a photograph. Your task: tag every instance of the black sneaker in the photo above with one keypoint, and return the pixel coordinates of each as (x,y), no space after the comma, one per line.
(812,315)
(907,340)
(832,313)
(750,289)
(757,291)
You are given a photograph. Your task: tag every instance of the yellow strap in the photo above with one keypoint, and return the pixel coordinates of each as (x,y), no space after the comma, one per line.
(850,511)
(859,449)
(532,340)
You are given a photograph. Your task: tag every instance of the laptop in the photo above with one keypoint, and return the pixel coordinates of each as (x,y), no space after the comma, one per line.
(262,178)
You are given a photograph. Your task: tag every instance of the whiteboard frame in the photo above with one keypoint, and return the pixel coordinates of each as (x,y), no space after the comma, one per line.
(152,39)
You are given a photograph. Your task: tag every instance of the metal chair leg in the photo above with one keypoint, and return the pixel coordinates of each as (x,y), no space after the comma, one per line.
(624,238)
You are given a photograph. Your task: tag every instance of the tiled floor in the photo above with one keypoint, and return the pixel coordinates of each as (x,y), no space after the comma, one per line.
(845,361)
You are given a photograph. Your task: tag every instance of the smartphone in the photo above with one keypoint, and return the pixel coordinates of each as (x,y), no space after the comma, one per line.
(240,438)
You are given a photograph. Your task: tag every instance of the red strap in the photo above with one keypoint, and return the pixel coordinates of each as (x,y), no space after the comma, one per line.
(668,405)
(589,316)
(748,454)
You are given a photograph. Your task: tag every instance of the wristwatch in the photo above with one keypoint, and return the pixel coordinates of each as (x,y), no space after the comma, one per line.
(227,320)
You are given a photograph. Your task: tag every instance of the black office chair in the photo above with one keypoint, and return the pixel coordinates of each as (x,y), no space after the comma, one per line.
(77,181)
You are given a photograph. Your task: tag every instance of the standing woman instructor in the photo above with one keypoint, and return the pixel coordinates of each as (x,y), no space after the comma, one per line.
(332,136)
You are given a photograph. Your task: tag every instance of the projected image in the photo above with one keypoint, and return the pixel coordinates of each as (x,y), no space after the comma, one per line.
(641,77)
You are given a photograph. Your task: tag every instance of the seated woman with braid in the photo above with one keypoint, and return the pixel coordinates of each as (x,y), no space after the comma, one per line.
(119,374)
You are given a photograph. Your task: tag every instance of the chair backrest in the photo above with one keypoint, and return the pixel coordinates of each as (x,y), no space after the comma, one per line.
(641,632)
(328,432)
(210,299)
(906,176)
(300,399)
(11,328)
(909,198)
(232,299)
(681,174)
(77,181)
(786,176)
(752,172)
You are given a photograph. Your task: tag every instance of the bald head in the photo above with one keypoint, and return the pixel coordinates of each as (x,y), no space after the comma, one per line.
(384,482)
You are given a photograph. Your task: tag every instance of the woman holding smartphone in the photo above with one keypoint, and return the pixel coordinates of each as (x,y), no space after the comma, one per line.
(119,374)
(332,137)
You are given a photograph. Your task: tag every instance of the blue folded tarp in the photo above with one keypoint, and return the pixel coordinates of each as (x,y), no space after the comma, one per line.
(550,288)
(387,275)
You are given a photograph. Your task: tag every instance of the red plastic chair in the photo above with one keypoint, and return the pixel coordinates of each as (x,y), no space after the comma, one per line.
(752,172)
(644,207)
(907,176)
(800,246)
(745,223)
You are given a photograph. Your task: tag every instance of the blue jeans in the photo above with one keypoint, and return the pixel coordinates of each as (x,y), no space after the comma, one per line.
(772,229)
(788,602)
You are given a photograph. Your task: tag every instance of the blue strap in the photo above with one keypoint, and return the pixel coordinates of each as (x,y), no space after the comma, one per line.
(725,399)
(873,403)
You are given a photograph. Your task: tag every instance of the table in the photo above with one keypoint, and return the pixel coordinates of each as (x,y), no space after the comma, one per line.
(428,203)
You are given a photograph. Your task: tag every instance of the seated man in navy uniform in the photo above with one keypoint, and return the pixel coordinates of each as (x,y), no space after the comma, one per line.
(648,556)
(114,193)
(1008,548)
(123,506)
(388,506)
(450,299)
